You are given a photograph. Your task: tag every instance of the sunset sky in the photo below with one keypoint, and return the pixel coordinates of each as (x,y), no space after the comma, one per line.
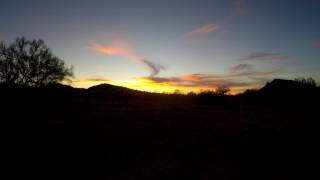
(164,45)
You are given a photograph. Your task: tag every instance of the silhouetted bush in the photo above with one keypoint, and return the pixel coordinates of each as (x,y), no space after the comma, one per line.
(191,93)
(207,93)
(212,96)
(177,92)
(31,63)
(222,91)
(306,81)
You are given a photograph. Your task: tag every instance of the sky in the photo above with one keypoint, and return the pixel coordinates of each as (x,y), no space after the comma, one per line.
(169,45)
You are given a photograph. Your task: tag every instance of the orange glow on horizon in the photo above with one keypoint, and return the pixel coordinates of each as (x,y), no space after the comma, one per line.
(143,84)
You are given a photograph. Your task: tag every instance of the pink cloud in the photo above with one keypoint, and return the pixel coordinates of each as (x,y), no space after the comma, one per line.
(123,51)
(205,29)
(317,44)
(128,53)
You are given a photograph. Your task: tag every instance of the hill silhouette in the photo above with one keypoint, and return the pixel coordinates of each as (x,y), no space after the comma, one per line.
(110,89)
(287,87)
(111,132)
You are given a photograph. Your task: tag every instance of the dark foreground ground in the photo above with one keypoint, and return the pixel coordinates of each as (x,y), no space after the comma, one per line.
(108,132)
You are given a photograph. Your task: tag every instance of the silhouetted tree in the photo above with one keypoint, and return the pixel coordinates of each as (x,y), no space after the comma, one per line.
(31,63)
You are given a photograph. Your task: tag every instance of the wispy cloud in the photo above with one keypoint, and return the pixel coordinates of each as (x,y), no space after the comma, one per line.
(242,7)
(92,79)
(316,44)
(247,70)
(127,52)
(264,56)
(252,74)
(209,28)
(155,68)
(240,68)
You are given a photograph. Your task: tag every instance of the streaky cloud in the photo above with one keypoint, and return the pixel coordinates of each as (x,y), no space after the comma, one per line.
(209,28)
(316,44)
(92,79)
(179,82)
(125,51)
(261,56)
(240,68)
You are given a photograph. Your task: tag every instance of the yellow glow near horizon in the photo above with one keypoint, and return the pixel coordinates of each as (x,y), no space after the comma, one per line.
(149,86)
(136,83)
(86,83)
(146,85)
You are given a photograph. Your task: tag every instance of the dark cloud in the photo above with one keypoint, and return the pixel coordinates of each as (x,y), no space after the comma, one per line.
(252,74)
(154,68)
(240,68)
(264,56)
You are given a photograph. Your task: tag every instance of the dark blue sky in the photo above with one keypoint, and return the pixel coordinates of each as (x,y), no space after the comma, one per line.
(173,43)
